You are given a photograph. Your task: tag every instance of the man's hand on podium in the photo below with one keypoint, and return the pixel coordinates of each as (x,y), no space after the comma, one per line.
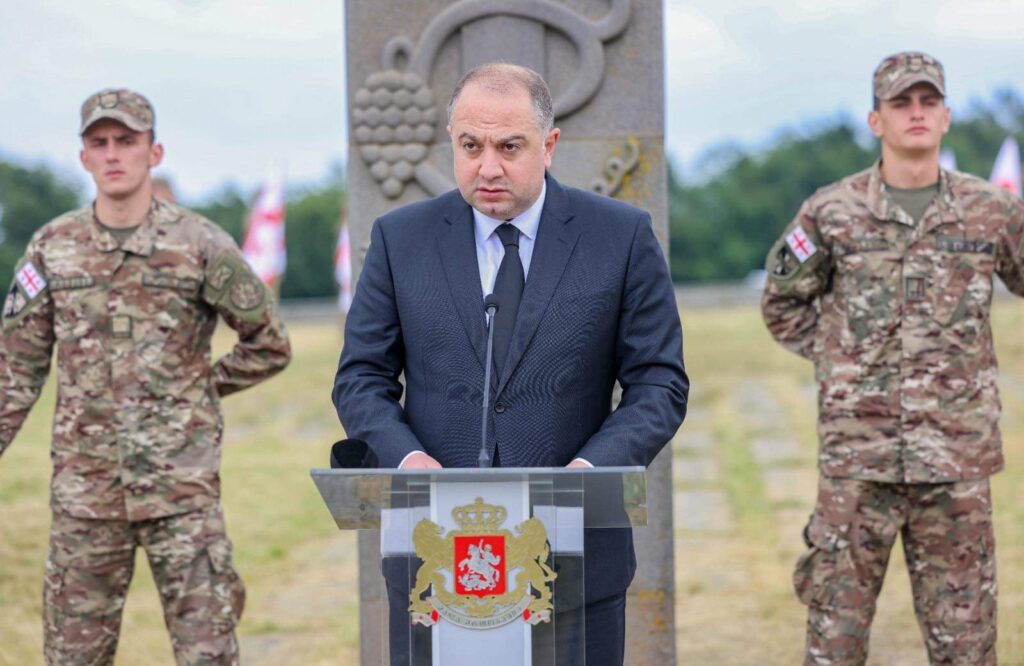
(579,462)
(419,460)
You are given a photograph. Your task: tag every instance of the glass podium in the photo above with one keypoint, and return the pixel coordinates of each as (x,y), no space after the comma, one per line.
(483,566)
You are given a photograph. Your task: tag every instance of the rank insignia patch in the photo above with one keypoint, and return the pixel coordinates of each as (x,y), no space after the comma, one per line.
(121,326)
(915,288)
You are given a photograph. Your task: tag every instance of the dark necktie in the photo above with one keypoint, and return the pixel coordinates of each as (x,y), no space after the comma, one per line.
(508,289)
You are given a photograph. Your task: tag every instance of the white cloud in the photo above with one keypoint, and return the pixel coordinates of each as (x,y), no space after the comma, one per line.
(237,84)
(986,20)
(696,46)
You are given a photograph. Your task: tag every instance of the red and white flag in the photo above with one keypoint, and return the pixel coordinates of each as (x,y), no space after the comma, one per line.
(264,236)
(30,280)
(343,268)
(1006,170)
(802,246)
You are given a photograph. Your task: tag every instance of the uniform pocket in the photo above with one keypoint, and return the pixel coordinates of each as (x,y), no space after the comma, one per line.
(869,282)
(227,590)
(952,298)
(822,566)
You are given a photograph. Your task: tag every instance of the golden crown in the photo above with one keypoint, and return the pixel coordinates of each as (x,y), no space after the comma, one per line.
(479,517)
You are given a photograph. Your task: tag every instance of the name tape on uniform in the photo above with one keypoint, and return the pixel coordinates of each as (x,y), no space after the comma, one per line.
(30,280)
(802,247)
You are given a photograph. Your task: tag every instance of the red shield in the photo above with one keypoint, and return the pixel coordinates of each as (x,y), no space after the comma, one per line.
(480,565)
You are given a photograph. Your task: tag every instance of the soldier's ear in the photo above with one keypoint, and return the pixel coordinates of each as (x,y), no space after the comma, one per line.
(875,123)
(156,155)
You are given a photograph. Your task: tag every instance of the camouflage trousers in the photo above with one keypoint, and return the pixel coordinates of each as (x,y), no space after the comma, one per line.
(90,566)
(949,547)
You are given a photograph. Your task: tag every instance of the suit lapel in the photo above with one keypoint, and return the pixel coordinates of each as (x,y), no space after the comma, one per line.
(556,237)
(458,256)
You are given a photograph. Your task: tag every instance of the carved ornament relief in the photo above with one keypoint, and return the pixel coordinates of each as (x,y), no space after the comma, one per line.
(395,115)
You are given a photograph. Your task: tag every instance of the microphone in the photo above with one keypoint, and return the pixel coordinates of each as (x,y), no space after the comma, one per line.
(490,307)
(352,454)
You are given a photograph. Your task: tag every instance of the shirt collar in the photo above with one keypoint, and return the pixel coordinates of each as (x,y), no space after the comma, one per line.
(142,241)
(527,221)
(882,206)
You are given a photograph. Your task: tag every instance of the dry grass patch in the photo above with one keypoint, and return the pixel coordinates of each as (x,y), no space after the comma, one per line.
(734,606)
(735,603)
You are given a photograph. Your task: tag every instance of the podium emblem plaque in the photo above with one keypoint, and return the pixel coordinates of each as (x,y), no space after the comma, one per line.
(481,576)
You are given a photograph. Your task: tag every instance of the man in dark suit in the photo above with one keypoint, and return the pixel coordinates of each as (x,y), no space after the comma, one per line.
(585,300)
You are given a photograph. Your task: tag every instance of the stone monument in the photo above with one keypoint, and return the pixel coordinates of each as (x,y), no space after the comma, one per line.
(603,60)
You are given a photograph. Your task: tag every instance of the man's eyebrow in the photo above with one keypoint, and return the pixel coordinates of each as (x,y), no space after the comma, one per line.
(501,141)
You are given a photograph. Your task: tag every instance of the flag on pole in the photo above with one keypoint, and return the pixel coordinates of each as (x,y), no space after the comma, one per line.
(947,159)
(1006,170)
(263,247)
(343,267)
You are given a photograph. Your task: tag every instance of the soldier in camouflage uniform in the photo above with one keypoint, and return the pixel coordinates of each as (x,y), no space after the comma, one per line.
(884,281)
(129,289)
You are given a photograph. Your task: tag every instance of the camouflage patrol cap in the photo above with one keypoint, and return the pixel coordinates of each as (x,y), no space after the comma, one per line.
(902,70)
(120,104)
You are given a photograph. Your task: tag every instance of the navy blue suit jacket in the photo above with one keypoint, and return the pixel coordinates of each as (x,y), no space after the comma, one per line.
(598,306)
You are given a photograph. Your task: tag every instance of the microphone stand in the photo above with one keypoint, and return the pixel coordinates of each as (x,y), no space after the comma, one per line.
(491,306)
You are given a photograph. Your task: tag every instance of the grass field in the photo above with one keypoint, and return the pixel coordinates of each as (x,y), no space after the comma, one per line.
(734,601)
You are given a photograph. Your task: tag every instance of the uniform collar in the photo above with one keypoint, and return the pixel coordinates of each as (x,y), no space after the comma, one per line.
(142,241)
(883,207)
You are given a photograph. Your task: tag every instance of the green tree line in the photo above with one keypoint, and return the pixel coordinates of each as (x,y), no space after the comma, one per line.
(32,196)
(312,219)
(721,224)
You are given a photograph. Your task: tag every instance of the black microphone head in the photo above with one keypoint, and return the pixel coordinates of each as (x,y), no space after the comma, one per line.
(352,454)
(491,303)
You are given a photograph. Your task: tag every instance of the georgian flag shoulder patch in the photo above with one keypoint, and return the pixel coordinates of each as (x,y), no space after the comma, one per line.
(30,280)
(802,247)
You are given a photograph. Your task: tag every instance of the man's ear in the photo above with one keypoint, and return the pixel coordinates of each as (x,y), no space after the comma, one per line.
(549,145)
(156,155)
(875,123)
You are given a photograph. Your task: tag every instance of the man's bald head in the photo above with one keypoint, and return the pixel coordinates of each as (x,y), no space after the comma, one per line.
(503,79)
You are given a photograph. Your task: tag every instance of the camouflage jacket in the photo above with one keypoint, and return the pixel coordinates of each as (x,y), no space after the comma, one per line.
(895,316)
(137,428)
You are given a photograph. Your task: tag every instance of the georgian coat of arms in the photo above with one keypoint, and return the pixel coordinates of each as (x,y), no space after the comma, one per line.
(481,576)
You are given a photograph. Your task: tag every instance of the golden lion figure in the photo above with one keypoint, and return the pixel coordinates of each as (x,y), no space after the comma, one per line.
(526,562)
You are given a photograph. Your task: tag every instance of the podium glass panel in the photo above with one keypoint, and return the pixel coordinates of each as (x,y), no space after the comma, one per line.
(484,563)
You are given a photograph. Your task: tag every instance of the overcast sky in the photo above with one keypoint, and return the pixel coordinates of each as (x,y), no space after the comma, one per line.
(246,87)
